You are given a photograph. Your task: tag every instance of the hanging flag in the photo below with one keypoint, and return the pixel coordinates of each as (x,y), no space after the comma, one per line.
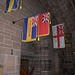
(58,36)
(43,24)
(30,28)
(11,5)
(68,39)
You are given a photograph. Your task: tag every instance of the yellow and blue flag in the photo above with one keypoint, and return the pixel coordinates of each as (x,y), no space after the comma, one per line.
(30,28)
(11,5)
(68,39)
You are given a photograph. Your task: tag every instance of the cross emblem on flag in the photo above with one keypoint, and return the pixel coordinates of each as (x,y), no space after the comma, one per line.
(61,30)
(34,23)
(58,36)
(45,18)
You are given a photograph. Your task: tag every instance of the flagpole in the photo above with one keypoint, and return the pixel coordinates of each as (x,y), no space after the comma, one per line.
(17,21)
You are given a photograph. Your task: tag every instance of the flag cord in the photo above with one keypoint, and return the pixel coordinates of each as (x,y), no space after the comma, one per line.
(17,21)
(38,32)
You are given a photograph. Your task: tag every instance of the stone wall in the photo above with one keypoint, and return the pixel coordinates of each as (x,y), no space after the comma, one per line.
(10,35)
(44,53)
(41,54)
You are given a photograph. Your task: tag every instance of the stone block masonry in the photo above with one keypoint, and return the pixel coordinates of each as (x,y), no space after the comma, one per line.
(10,36)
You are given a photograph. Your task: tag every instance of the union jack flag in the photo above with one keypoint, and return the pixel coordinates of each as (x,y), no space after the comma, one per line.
(34,23)
(45,18)
(61,31)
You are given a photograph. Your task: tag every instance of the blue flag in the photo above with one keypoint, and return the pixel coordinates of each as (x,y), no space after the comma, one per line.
(68,39)
(30,28)
(11,5)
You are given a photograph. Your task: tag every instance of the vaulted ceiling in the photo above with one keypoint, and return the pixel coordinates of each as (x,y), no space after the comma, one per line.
(62,11)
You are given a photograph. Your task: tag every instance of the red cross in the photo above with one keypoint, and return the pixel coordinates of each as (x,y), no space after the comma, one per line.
(34,20)
(46,17)
(58,36)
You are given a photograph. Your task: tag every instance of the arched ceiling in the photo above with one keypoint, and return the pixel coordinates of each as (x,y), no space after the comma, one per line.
(62,11)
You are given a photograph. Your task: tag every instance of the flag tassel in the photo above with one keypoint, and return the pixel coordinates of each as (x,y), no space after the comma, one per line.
(38,39)
(38,31)
(20,4)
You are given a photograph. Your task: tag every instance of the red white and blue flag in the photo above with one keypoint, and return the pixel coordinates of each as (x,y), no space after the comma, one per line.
(58,36)
(30,28)
(45,18)
(43,24)
(34,23)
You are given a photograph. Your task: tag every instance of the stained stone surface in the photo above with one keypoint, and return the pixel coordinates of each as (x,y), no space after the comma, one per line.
(41,54)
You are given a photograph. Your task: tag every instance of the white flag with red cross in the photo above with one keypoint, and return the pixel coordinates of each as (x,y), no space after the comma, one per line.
(58,36)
